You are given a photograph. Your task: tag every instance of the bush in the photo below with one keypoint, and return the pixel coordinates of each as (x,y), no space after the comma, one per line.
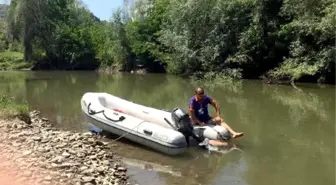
(10,109)
(12,61)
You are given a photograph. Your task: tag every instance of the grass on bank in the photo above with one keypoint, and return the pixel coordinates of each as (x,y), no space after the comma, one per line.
(9,109)
(227,78)
(12,61)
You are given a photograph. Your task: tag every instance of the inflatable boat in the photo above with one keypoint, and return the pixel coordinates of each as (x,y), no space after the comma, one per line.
(163,131)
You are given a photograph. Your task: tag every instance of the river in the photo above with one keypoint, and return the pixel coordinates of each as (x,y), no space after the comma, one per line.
(289,135)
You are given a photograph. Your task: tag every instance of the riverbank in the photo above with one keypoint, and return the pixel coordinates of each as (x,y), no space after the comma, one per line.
(36,153)
(13,61)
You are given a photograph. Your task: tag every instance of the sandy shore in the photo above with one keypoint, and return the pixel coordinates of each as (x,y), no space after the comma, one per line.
(38,154)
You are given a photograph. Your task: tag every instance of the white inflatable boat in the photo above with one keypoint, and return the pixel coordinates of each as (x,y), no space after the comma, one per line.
(147,126)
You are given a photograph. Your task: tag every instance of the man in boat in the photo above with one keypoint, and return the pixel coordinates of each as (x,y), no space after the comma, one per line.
(198,109)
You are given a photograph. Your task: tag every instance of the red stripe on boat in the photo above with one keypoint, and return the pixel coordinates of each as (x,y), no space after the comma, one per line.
(118,110)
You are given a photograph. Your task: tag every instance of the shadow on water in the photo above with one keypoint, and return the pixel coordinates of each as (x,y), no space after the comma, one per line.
(196,166)
(289,135)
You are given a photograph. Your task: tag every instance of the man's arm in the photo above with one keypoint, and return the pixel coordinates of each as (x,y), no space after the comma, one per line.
(215,105)
(194,118)
(192,114)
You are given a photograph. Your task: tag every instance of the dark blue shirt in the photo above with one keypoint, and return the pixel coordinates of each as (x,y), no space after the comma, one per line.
(200,107)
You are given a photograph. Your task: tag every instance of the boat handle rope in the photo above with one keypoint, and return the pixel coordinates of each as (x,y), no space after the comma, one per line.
(120,137)
(92,112)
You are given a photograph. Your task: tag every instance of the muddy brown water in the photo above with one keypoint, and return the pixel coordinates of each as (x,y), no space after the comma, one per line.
(289,135)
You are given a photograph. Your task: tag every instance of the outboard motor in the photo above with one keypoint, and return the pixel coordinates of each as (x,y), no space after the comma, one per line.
(183,124)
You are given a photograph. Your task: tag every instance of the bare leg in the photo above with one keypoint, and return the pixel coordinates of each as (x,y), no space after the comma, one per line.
(218,143)
(215,143)
(221,122)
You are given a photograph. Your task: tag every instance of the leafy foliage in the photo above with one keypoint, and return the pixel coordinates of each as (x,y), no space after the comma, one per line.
(221,40)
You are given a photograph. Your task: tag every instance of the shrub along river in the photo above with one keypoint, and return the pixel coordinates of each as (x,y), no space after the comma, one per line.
(289,135)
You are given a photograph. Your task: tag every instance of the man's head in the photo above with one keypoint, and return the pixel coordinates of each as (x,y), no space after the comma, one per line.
(199,92)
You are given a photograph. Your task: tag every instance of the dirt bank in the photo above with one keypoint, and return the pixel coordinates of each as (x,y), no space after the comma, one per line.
(37,153)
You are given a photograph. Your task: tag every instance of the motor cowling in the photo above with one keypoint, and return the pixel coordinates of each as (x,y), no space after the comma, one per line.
(183,123)
(181,120)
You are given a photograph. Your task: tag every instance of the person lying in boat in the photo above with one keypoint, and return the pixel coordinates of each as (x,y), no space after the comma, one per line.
(198,109)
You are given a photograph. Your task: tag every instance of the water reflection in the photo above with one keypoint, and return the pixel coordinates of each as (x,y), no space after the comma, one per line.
(13,84)
(290,135)
(58,96)
(304,103)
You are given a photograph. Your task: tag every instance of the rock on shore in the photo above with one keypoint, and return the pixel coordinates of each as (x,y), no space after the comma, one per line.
(41,154)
